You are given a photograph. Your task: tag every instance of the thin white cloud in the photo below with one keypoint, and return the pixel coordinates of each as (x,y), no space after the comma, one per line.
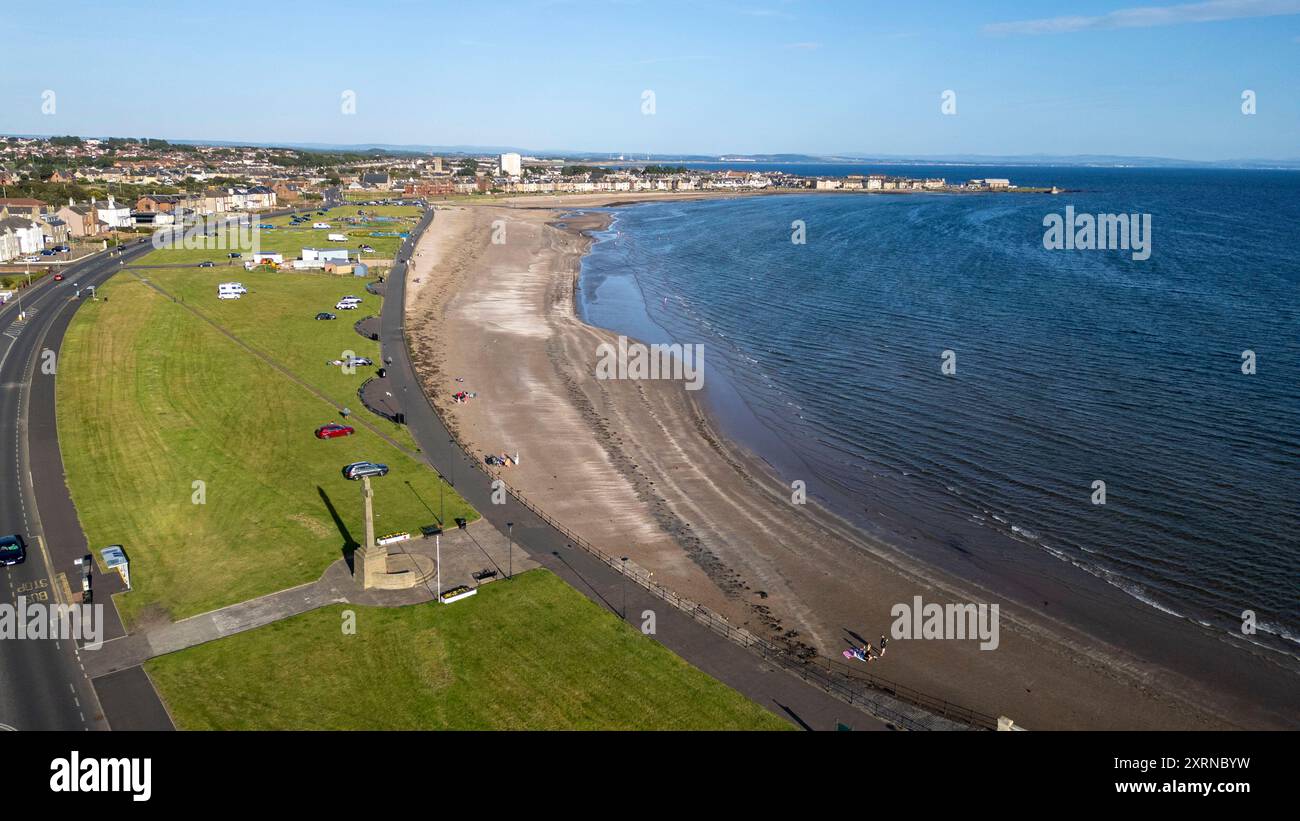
(1151,16)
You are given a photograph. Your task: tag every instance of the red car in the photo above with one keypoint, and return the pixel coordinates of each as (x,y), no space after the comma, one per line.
(332,430)
(58,277)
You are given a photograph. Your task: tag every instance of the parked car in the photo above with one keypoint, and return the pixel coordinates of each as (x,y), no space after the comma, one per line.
(207,264)
(357,470)
(368,249)
(356,361)
(31,259)
(234,255)
(14,551)
(325,315)
(48,252)
(62,249)
(344,305)
(333,430)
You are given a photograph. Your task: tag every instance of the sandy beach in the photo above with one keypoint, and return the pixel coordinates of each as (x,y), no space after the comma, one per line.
(637,468)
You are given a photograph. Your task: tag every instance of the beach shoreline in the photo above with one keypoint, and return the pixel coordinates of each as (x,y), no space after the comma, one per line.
(639,468)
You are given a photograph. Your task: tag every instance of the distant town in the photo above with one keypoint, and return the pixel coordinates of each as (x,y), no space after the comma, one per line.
(59,193)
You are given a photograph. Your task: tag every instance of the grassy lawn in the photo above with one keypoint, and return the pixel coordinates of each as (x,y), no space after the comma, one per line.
(531,653)
(277,316)
(152,399)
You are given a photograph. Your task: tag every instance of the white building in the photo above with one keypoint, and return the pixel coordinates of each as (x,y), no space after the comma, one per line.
(114,215)
(511,164)
(317,257)
(20,236)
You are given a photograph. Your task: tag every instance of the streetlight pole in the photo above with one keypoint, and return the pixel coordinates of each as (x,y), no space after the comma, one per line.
(625,588)
(510,551)
(437,548)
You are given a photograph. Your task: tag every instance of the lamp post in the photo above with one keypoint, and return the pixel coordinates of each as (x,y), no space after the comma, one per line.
(625,588)
(510,551)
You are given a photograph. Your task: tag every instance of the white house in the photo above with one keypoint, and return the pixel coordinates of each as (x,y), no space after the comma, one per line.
(112,214)
(20,236)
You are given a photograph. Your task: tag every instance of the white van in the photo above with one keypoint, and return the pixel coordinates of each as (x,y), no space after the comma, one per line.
(337,237)
(320,225)
(230,290)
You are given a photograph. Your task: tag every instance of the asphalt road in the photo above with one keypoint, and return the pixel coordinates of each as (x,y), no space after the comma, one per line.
(42,686)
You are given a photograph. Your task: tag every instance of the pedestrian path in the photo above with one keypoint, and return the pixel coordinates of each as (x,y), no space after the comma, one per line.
(464,553)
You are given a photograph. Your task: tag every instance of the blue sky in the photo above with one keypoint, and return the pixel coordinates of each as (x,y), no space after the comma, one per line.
(1161,79)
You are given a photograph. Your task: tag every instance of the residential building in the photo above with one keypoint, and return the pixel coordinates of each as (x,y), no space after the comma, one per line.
(82,220)
(512,164)
(23,206)
(158,203)
(113,214)
(30,239)
(55,230)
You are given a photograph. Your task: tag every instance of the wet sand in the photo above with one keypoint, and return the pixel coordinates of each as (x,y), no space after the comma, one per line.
(636,468)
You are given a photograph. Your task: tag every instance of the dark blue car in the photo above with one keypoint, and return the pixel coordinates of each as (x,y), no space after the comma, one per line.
(12,550)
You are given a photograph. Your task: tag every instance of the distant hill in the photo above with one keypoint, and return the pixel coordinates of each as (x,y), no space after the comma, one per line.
(1094,160)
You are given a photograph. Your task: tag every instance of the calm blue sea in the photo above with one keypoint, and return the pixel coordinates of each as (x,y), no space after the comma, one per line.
(1073,366)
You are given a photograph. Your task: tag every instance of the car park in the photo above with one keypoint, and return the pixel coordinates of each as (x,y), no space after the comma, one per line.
(333,430)
(358,470)
(13,550)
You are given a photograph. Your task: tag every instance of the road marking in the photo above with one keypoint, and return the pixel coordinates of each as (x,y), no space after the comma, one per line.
(16,327)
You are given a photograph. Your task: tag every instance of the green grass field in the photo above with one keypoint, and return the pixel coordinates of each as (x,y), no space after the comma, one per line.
(527,654)
(277,317)
(152,400)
